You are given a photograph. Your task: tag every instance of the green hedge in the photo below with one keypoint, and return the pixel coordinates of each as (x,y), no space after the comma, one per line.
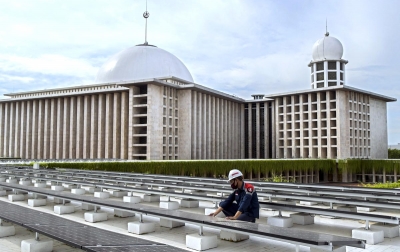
(208,168)
(368,165)
(220,168)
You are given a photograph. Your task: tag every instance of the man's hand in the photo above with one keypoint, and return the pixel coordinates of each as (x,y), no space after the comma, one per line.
(231,218)
(212,214)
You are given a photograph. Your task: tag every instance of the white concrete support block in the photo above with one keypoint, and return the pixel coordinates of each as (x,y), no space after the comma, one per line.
(347,208)
(91,189)
(36,166)
(87,207)
(95,217)
(25,182)
(40,185)
(7,231)
(389,230)
(280,221)
(141,227)
(308,203)
(78,191)
(119,194)
(302,218)
(150,198)
(365,209)
(123,214)
(16,197)
(372,237)
(51,183)
(208,211)
(189,203)
(222,194)
(335,249)
(102,195)
(3,193)
(12,181)
(60,209)
(231,236)
(171,205)
(37,202)
(170,223)
(58,188)
(33,245)
(201,242)
(132,199)
(60,201)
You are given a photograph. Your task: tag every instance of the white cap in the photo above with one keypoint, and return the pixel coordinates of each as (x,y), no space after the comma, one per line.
(234,174)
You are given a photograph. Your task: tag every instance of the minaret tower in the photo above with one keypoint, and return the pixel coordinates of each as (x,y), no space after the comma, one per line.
(327,65)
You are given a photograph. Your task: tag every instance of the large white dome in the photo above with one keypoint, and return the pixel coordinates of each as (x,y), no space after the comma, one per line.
(142,62)
(327,48)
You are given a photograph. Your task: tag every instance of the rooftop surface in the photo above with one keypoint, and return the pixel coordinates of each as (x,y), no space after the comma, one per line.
(176,236)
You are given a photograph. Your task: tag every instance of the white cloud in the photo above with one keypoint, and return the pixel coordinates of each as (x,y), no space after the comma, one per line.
(48,64)
(6,78)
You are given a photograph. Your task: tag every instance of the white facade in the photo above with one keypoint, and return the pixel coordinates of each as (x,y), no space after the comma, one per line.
(146,110)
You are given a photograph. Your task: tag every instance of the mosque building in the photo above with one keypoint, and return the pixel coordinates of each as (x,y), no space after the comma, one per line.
(145,105)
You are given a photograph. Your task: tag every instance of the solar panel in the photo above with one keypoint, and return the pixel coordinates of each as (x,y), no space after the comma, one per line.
(89,236)
(153,248)
(312,238)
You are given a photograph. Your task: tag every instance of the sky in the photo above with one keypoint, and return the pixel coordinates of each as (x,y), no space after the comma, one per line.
(240,47)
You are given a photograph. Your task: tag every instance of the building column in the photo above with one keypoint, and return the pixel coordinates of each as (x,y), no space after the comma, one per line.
(12,130)
(60,128)
(93,129)
(116,134)
(257,130)
(79,126)
(28,135)
(194,125)
(130,123)
(66,128)
(217,128)
(53,128)
(72,127)
(41,124)
(47,121)
(87,126)
(35,130)
(17,128)
(22,138)
(109,126)
(124,125)
(101,126)
(1,128)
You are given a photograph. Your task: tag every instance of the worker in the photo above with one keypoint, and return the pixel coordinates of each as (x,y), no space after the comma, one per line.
(246,207)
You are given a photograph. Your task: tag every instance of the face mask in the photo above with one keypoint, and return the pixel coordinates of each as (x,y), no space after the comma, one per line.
(234,185)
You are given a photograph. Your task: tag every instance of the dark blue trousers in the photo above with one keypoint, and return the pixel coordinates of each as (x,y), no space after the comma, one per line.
(231,211)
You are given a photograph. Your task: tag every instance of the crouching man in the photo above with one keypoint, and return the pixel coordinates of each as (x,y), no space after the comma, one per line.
(246,207)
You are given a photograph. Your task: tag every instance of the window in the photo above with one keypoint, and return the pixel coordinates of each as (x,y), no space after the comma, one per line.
(320,76)
(332,65)
(320,85)
(341,66)
(320,66)
(331,84)
(341,76)
(331,75)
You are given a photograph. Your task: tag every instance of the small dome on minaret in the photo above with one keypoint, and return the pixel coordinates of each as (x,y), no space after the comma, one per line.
(327,48)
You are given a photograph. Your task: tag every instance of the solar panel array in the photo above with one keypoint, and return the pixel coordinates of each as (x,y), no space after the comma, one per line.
(77,234)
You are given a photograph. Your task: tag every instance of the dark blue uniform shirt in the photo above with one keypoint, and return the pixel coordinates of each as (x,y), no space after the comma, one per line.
(246,198)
